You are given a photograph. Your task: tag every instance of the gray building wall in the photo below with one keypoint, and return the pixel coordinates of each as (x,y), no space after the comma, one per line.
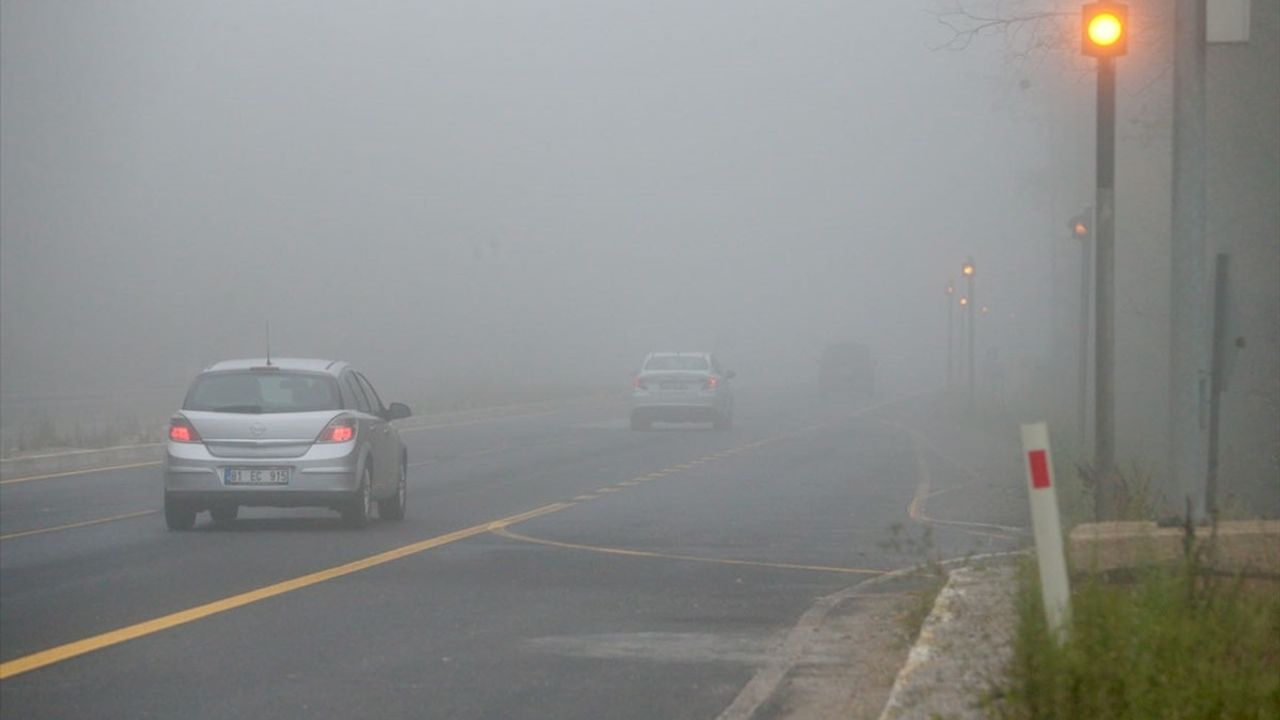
(1243,185)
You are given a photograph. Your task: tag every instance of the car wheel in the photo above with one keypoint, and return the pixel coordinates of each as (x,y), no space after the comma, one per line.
(640,422)
(393,507)
(356,513)
(224,515)
(178,516)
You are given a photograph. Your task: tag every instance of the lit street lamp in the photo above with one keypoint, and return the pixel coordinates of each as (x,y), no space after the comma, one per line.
(1105,36)
(951,314)
(968,270)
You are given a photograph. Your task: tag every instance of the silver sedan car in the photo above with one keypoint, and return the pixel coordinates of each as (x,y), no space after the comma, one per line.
(283,433)
(682,387)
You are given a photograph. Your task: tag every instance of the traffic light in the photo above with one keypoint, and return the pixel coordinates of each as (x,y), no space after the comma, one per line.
(967,268)
(1104,29)
(1081,225)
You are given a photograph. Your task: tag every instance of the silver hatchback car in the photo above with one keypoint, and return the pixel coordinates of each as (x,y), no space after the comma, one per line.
(682,387)
(283,433)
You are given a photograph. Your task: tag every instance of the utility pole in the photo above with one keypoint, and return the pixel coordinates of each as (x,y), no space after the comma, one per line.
(1189,353)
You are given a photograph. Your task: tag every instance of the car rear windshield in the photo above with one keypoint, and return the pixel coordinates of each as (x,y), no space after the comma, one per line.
(263,391)
(676,362)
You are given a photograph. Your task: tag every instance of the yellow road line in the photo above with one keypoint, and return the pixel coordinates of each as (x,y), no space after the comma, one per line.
(916,511)
(132,632)
(86,523)
(69,473)
(504,532)
(586,497)
(608,489)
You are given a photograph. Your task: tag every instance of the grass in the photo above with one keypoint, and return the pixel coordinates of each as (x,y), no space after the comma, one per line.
(1164,643)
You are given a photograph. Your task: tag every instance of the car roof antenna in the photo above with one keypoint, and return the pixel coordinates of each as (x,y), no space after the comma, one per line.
(268,342)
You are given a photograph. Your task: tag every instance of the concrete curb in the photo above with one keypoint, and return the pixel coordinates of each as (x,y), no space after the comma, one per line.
(963,648)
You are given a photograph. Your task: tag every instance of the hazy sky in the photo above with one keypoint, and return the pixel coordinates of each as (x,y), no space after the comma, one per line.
(520,188)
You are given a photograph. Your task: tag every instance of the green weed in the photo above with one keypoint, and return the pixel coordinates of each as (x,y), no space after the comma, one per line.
(1168,643)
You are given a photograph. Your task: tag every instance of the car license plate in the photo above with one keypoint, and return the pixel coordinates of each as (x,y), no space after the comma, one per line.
(672,386)
(255,476)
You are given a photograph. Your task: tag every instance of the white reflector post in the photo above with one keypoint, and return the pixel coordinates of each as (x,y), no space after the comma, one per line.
(1046,527)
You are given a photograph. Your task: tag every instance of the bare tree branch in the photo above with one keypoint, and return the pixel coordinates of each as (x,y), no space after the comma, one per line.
(1026,31)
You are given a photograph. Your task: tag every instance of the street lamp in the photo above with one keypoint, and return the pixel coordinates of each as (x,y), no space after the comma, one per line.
(1105,36)
(969,270)
(951,314)
(1081,228)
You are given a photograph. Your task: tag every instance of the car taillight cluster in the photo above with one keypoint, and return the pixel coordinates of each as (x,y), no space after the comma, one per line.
(181,430)
(712,383)
(639,384)
(339,430)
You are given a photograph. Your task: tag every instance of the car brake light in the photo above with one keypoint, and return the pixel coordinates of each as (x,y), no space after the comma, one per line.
(181,430)
(712,383)
(339,430)
(639,384)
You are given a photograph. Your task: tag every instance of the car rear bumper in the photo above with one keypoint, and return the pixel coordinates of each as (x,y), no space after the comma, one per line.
(260,497)
(704,407)
(324,478)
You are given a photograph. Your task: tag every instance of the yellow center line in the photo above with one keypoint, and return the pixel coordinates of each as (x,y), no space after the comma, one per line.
(71,526)
(506,533)
(115,637)
(586,497)
(608,489)
(69,473)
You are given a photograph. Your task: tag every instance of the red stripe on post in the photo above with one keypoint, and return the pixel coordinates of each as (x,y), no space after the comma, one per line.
(1039,460)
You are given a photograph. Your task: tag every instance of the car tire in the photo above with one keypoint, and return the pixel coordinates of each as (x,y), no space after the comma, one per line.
(178,516)
(224,515)
(356,513)
(640,422)
(393,507)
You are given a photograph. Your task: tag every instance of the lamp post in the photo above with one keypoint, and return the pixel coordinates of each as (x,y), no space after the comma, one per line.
(951,315)
(1081,227)
(1105,36)
(968,271)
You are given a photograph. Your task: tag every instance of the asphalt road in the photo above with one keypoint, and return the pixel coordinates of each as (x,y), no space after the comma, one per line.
(553,564)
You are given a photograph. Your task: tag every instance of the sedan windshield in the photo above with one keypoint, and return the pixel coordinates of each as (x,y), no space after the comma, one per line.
(247,391)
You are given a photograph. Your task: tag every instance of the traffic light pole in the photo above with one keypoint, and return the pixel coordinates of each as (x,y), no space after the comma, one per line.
(1104,277)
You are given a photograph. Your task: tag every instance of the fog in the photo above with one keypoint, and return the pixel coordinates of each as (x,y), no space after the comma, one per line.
(514,192)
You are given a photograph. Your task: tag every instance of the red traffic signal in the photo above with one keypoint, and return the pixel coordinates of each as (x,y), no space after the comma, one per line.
(1104,29)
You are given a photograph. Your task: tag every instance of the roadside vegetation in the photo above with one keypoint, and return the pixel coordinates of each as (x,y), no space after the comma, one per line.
(1159,642)
(928,578)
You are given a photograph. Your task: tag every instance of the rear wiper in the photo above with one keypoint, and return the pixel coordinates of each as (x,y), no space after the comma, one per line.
(252,409)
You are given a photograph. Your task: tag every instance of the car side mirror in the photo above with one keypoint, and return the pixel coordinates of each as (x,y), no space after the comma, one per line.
(731,374)
(398,411)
